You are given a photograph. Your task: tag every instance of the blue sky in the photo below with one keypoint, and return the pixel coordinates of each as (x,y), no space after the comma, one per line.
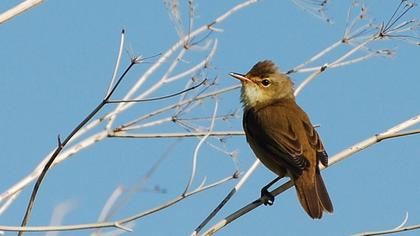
(56,63)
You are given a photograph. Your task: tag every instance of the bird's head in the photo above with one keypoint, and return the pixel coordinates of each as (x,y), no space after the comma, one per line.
(263,85)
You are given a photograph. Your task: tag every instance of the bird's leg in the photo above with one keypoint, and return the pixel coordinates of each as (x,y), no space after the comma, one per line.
(266,197)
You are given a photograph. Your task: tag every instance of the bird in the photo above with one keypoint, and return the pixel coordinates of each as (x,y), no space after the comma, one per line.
(282,137)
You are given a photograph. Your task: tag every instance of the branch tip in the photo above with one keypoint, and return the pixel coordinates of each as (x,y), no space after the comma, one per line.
(60,144)
(137,59)
(290,71)
(404,222)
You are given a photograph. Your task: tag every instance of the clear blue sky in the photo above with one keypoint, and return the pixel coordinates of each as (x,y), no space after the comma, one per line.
(56,62)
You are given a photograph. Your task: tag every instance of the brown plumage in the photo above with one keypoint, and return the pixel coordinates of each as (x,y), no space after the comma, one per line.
(282,136)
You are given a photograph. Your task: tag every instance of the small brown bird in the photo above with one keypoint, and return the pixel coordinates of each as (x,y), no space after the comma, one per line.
(282,137)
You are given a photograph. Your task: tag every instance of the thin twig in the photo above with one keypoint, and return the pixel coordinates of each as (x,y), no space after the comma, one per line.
(397,135)
(121,222)
(192,70)
(187,101)
(309,79)
(390,231)
(69,137)
(116,194)
(399,228)
(168,53)
(200,143)
(349,62)
(408,6)
(122,106)
(8,202)
(178,135)
(316,57)
(18,9)
(15,189)
(143,181)
(117,63)
(164,78)
(323,68)
(60,147)
(227,198)
(404,222)
(161,97)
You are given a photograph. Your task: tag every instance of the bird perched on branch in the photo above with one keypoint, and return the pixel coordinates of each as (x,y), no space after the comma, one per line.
(282,137)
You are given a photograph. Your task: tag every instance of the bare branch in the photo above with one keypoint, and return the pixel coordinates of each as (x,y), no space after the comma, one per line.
(404,222)
(227,198)
(316,57)
(168,53)
(179,135)
(20,8)
(351,61)
(400,228)
(119,223)
(195,155)
(161,97)
(140,184)
(105,212)
(60,211)
(60,147)
(117,63)
(316,8)
(16,188)
(9,200)
(181,103)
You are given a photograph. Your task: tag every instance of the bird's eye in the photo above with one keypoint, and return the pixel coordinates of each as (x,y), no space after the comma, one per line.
(265,82)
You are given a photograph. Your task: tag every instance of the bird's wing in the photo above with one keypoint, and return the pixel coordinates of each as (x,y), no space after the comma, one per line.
(273,129)
(315,142)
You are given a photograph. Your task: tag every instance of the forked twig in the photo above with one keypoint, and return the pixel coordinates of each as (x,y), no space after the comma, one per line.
(119,223)
(62,144)
(400,228)
(200,143)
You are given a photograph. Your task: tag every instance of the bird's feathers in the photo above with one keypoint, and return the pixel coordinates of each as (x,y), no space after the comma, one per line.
(315,142)
(279,134)
(282,136)
(262,69)
(282,147)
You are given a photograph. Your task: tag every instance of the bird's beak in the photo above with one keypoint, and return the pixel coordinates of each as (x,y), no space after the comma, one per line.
(240,77)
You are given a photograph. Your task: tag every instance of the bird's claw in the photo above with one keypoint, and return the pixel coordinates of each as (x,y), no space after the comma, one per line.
(266,197)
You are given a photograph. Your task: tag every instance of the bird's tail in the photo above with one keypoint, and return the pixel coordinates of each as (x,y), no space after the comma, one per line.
(312,194)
